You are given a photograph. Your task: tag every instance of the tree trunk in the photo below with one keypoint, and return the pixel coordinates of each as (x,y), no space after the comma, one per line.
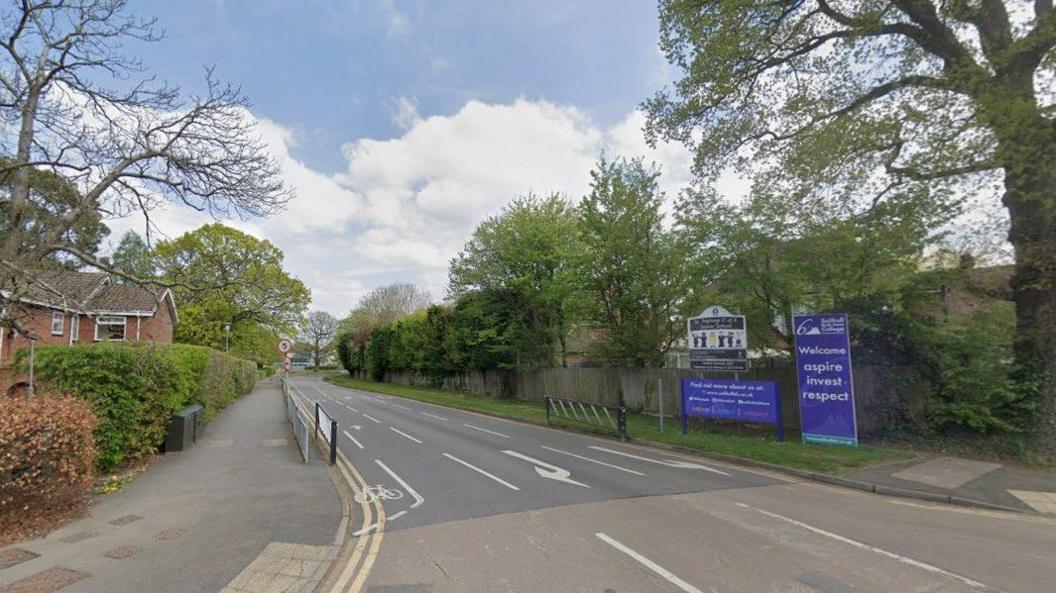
(1030,196)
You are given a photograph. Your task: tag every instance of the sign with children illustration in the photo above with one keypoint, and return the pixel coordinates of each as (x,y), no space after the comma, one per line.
(718,341)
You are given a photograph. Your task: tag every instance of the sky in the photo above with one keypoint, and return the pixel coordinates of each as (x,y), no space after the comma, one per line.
(401,124)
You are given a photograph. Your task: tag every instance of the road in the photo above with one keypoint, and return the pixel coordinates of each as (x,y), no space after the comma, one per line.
(462,502)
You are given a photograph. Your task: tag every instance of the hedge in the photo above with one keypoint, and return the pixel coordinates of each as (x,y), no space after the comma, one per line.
(135,388)
(46,466)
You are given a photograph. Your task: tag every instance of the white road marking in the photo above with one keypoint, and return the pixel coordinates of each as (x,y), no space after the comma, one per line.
(622,469)
(400,432)
(353,439)
(434,416)
(667,462)
(482,472)
(418,500)
(552,472)
(351,408)
(660,570)
(371,418)
(402,407)
(498,434)
(395,516)
(904,559)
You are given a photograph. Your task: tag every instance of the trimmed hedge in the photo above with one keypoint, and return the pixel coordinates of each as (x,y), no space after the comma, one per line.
(46,466)
(135,388)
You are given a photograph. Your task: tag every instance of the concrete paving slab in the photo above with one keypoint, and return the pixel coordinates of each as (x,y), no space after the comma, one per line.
(281,568)
(947,472)
(1043,502)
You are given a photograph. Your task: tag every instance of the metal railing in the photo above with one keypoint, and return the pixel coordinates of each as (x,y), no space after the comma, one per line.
(327,426)
(587,413)
(297,421)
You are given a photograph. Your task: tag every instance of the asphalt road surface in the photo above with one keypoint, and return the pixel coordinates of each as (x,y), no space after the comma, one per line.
(473,503)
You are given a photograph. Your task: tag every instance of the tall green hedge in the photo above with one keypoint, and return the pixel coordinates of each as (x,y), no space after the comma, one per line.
(135,388)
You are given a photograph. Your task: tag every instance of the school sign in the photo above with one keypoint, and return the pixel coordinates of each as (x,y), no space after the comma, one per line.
(826,391)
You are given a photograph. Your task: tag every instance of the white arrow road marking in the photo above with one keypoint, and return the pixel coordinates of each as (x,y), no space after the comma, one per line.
(353,439)
(418,500)
(434,416)
(356,427)
(660,570)
(481,472)
(667,462)
(498,434)
(400,432)
(551,473)
(622,469)
(371,418)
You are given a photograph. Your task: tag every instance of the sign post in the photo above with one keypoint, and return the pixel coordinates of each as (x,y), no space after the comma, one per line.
(826,388)
(718,341)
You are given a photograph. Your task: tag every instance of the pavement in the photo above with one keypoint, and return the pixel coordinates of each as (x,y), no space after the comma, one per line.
(238,512)
(983,482)
(456,501)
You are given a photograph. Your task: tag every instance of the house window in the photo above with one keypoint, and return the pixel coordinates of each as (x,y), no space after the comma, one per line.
(110,327)
(75,328)
(57,321)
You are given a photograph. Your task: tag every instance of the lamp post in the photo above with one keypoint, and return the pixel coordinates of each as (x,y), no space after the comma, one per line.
(227,336)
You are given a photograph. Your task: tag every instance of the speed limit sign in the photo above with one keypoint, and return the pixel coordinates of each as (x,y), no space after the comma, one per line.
(285,345)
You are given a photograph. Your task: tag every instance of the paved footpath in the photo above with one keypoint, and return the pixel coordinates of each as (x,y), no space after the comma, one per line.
(238,512)
(467,503)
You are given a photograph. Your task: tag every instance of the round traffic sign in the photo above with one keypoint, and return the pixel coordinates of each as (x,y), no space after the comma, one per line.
(285,345)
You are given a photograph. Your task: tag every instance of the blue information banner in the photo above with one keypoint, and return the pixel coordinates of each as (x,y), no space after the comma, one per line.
(826,392)
(747,401)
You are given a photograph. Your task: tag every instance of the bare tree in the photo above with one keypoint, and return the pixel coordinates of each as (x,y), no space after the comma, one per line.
(384,305)
(318,331)
(127,148)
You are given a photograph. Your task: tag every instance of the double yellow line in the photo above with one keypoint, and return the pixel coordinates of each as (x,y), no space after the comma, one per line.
(357,569)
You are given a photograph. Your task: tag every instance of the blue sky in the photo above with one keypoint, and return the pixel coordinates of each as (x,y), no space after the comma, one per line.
(333,70)
(402,124)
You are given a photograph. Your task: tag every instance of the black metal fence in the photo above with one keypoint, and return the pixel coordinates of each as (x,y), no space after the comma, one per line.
(615,417)
(327,426)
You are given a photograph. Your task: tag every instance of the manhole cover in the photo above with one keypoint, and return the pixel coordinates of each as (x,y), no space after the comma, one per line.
(13,556)
(45,581)
(121,553)
(126,520)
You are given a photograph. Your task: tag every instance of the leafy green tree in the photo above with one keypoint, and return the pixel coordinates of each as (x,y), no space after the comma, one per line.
(382,306)
(223,276)
(527,251)
(858,97)
(318,331)
(632,268)
(133,256)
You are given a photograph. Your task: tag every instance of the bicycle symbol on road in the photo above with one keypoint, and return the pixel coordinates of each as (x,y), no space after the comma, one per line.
(378,492)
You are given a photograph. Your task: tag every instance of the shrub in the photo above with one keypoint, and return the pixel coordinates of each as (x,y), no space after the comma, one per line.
(135,388)
(48,456)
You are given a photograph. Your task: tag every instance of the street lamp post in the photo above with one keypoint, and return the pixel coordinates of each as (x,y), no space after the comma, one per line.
(227,336)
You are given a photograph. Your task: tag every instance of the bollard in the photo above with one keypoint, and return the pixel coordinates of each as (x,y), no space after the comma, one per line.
(333,442)
(621,423)
(547,398)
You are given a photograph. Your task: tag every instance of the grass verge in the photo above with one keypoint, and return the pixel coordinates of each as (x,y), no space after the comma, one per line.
(642,428)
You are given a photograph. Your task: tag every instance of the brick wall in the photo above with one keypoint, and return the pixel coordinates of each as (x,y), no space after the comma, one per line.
(149,329)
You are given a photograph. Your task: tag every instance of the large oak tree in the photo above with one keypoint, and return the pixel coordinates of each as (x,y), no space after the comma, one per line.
(854,98)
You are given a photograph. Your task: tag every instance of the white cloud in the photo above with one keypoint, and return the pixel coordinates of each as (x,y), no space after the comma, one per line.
(404,206)
(406,115)
(398,22)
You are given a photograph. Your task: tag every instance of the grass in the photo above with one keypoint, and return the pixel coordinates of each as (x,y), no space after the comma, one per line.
(644,429)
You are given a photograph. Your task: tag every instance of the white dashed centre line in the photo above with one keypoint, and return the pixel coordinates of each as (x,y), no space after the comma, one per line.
(371,418)
(498,434)
(404,434)
(434,416)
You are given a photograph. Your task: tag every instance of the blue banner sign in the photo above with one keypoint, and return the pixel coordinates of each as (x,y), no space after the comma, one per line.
(826,392)
(747,401)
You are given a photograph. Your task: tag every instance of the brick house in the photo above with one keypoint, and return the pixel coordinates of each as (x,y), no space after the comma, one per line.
(65,307)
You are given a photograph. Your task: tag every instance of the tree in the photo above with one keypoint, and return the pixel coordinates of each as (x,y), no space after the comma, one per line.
(632,267)
(318,331)
(53,197)
(529,249)
(77,107)
(223,276)
(859,97)
(382,306)
(133,256)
